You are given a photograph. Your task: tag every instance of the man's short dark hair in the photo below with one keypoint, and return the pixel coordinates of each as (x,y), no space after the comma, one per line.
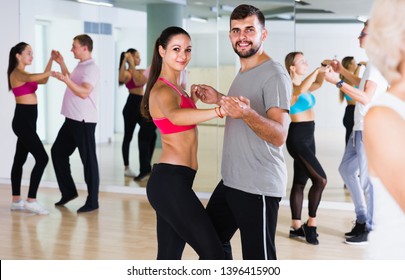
(243,11)
(85,40)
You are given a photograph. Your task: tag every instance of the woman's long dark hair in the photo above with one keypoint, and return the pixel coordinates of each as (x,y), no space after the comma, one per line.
(12,60)
(131,51)
(156,65)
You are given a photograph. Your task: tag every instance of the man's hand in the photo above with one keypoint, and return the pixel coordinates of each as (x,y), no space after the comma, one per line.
(330,75)
(336,66)
(57,56)
(235,107)
(60,76)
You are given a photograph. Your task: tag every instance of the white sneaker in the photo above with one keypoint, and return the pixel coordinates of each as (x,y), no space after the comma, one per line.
(18,206)
(34,207)
(129,173)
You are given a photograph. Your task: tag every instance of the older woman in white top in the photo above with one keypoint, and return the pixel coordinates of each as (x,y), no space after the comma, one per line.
(384,130)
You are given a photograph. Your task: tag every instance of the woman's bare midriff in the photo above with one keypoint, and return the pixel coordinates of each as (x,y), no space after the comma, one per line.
(27,99)
(306,116)
(180,148)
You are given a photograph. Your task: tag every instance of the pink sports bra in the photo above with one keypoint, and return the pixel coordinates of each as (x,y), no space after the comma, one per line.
(27,88)
(165,126)
(131,84)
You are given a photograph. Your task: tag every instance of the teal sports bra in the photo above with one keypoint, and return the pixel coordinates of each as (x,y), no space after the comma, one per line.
(304,102)
(348,98)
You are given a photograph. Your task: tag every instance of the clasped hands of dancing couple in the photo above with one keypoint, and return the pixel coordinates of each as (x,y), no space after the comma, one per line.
(230,104)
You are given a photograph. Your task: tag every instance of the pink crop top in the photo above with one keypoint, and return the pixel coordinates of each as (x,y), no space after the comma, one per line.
(165,126)
(131,84)
(27,88)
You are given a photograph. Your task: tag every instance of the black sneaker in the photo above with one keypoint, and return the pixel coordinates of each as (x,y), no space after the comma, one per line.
(65,200)
(310,234)
(361,239)
(142,177)
(356,230)
(297,233)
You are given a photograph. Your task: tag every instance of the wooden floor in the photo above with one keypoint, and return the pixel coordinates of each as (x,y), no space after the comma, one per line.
(329,151)
(124,226)
(124,229)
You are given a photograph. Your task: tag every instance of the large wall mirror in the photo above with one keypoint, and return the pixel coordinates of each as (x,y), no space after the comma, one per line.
(319,28)
(329,29)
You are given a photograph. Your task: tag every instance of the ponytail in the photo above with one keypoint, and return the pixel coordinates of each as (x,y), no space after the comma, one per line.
(12,60)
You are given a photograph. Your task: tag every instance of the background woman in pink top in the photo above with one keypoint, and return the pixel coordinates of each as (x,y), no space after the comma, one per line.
(135,79)
(24,85)
(181,217)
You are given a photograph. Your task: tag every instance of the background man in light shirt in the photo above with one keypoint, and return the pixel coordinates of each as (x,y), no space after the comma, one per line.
(79,108)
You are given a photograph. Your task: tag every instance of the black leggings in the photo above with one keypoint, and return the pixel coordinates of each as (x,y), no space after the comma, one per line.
(301,147)
(146,136)
(254,215)
(25,127)
(181,217)
(348,121)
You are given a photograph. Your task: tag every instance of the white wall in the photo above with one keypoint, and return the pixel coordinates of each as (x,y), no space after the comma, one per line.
(9,36)
(322,41)
(66,20)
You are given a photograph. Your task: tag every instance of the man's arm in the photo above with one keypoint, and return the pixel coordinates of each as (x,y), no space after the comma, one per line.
(364,97)
(352,78)
(273,128)
(83,90)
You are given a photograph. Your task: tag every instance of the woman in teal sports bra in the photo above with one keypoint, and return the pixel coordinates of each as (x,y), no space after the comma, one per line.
(301,146)
(350,64)
(181,217)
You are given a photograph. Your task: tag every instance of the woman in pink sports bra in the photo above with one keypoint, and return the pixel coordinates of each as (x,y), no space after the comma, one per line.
(23,85)
(135,79)
(181,217)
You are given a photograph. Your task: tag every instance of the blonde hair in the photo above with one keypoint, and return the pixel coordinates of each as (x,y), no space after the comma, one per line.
(346,61)
(290,60)
(386,37)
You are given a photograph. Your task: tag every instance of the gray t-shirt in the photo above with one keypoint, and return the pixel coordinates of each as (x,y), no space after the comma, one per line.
(249,163)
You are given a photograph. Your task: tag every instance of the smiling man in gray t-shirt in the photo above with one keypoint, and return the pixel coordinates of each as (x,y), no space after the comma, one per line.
(253,167)
(249,162)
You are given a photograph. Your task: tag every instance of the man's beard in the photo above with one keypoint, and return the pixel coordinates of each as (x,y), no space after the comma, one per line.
(245,54)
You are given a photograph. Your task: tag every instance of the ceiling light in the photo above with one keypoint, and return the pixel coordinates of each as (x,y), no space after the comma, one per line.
(198,19)
(362,18)
(98,3)
(227,8)
(286,16)
(300,2)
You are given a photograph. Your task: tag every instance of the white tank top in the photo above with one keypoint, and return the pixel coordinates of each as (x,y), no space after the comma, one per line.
(387,240)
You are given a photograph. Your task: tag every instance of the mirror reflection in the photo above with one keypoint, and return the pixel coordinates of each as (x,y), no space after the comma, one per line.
(114,31)
(322,29)
(328,30)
